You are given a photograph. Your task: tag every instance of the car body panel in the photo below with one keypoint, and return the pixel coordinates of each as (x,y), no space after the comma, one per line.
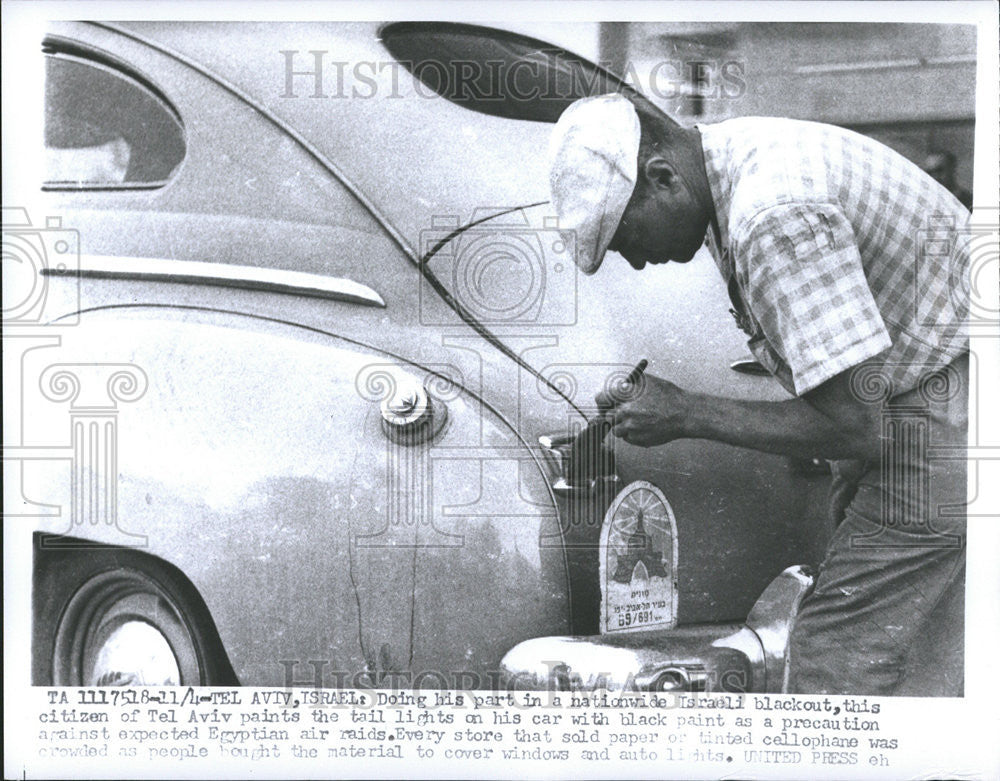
(269,481)
(347,188)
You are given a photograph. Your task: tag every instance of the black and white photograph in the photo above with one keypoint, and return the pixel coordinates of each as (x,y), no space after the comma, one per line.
(504,390)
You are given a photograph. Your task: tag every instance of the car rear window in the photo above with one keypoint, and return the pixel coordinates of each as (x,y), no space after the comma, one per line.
(105,128)
(497,72)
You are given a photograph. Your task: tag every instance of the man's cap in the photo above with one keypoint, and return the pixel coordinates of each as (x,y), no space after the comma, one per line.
(593,154)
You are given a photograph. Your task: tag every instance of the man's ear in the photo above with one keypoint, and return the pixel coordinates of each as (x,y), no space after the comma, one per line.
(659,172)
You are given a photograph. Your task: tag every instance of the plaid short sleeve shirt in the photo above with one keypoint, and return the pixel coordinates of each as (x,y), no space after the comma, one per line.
(837,250)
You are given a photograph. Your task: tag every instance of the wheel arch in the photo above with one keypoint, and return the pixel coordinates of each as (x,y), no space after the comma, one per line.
(61,567)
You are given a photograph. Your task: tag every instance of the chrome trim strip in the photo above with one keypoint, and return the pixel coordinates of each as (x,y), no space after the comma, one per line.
(880,65)
(267,280)
(364,200)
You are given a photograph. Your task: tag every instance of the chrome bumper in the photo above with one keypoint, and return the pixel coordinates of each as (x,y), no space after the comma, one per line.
(708,658)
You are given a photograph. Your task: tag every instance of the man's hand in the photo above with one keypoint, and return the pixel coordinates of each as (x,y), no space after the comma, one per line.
(827,422)
(655,414)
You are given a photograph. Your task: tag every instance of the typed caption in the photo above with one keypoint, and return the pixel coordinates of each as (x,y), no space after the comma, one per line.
(318,731)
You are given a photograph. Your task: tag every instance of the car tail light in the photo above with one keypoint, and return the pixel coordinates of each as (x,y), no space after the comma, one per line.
(581,463)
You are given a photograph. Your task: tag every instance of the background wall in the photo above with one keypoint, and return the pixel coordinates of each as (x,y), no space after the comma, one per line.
(912,86)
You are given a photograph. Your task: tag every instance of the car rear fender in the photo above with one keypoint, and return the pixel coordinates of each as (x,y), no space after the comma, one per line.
(253,456)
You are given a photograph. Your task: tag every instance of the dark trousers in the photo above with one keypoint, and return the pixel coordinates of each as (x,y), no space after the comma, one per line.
(886,615)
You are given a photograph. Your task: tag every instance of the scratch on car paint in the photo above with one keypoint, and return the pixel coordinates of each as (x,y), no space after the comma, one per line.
(413,592)
(385,658)
(350,561)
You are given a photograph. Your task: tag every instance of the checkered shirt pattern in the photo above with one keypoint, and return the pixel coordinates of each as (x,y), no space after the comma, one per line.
(840,249)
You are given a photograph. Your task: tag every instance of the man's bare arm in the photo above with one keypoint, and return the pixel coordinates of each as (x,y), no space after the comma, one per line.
(828,421)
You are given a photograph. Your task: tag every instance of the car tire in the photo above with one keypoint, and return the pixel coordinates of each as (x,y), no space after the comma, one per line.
(119,617)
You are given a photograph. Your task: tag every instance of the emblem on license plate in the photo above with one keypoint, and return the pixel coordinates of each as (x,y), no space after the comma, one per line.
(638,561)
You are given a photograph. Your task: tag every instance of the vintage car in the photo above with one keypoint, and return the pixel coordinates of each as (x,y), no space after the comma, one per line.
(304,409)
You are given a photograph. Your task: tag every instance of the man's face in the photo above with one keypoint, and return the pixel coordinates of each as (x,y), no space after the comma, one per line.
(660,224)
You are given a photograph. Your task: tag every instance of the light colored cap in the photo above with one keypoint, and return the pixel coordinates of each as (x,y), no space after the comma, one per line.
(593,154)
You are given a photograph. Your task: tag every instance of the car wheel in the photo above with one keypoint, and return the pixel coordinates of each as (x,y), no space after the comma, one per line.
(116,617)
